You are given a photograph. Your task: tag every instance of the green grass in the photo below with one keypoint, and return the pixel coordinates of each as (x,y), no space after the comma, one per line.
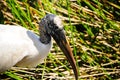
(92,28)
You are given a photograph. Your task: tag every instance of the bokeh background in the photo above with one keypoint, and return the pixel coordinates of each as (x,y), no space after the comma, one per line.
(93,31)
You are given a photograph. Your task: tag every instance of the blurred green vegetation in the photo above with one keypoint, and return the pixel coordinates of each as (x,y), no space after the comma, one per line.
(92,28)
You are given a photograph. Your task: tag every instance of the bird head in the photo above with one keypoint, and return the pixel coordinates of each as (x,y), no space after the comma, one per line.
(52,25)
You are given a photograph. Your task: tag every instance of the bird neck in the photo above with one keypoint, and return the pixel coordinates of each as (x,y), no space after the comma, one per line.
(44,37)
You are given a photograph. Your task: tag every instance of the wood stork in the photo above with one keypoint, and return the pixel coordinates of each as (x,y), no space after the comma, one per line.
(22,47)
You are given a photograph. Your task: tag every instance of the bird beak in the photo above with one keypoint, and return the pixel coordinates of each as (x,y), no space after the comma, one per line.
(60,39)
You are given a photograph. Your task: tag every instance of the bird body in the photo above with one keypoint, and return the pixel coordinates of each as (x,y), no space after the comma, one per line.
(20,47)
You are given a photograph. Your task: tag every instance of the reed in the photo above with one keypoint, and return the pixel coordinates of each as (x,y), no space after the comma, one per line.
(92,28)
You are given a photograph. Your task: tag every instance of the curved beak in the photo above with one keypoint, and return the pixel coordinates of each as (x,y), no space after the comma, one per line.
(60,39)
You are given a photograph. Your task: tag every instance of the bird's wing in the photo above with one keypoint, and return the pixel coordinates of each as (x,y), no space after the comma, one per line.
(13,48)
(21,47)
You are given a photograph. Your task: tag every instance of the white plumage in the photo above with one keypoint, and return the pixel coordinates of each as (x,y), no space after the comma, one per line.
(21,47)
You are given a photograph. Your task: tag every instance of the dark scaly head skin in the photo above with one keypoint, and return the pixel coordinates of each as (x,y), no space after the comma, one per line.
(51,25)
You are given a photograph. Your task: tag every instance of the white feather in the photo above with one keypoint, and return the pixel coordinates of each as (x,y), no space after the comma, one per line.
(20,47)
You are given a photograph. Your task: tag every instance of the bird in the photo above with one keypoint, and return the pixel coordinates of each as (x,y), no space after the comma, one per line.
(23,48)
